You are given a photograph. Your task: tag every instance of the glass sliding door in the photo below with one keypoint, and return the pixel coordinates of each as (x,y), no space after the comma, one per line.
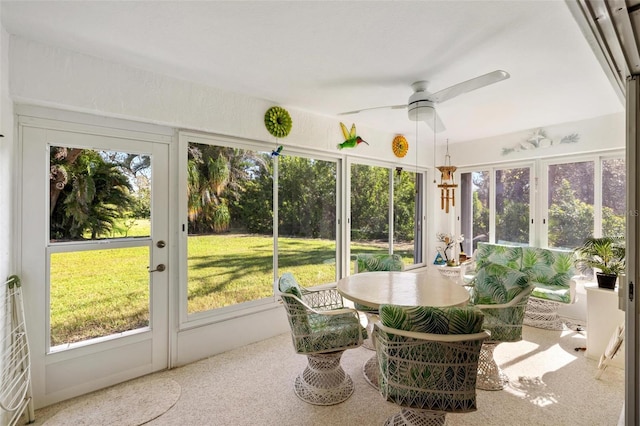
(513,205)
(570,203)
(614,200)
(407,215)
(307,209)
(386,212)
(370,201)
(475,208)
(229,223)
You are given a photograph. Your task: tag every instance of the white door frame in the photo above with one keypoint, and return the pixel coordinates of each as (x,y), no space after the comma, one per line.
(65,374)
(629,294)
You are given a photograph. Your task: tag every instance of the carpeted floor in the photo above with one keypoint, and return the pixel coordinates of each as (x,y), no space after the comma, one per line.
(129,404)
(551,384)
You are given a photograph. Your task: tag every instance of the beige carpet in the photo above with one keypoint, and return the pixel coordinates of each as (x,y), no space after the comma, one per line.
(551,384)
(128,404)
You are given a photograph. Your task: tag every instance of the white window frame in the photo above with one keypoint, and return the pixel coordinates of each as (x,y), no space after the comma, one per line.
(492,169)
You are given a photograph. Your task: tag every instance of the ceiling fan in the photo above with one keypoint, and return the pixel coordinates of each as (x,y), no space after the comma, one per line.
(421,104)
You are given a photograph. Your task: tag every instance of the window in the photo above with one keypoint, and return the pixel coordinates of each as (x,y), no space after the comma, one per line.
(230,222)
(614,198)
(495,206)
(475,208)
(99,243)
(307,208)
(233,252)
(570,203)
(370,200)
(586,198)
(407,215)
(386,212)
(513,205)
(236,194)
(578,199)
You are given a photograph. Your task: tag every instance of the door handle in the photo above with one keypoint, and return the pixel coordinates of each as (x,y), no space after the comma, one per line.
(159,268)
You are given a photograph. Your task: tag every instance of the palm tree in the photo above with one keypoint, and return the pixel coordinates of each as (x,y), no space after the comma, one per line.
(215,177)
(92,195)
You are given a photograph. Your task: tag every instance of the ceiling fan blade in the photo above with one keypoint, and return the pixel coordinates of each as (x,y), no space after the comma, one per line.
(439,124)
(369,109)
(469,85)
(429,115)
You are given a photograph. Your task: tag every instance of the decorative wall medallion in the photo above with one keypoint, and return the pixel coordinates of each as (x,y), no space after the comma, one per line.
(539,139)
(278,121)
(400,146)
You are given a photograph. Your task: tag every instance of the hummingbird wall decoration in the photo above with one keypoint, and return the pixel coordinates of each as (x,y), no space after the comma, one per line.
(351,140)
(276,152)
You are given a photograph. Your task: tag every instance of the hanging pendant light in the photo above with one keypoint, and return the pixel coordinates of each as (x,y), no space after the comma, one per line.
(447,184)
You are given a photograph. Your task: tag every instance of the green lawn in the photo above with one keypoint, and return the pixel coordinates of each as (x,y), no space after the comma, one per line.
(100,292)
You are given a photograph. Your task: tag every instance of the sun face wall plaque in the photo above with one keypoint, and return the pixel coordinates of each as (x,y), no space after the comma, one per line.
(400,146)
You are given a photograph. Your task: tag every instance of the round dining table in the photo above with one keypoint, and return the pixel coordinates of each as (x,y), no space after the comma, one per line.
(372,289)
(428,288)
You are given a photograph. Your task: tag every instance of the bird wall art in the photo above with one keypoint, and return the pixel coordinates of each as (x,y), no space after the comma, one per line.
(351,140)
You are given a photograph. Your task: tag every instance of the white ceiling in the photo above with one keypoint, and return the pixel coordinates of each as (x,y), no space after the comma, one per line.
(330,57)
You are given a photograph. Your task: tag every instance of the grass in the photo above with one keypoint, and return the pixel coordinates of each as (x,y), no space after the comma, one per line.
(100,292)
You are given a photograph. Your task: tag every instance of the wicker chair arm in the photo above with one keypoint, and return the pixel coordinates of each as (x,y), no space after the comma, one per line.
(324,297)
(433,337)
(314,310)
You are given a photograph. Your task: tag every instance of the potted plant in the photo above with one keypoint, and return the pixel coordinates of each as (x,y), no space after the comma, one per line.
(606,255)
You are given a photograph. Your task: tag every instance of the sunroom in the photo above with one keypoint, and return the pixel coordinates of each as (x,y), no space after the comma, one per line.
(174,99)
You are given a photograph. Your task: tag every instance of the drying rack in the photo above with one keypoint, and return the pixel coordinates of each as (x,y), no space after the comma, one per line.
(15,366)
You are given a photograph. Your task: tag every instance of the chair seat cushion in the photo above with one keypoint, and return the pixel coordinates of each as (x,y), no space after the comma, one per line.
(328,332)
(550,292)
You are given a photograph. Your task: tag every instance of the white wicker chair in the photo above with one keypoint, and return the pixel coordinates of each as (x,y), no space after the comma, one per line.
(374,262)
(322,329)
(501,293)
(543,313)
(552,273)
(428,374)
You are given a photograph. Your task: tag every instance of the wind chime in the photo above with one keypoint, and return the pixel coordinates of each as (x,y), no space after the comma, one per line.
(447,184)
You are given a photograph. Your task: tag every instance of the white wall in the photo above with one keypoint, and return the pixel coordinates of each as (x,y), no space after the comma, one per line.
(6,179)
(48,76)
(6,160)
(594,134)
